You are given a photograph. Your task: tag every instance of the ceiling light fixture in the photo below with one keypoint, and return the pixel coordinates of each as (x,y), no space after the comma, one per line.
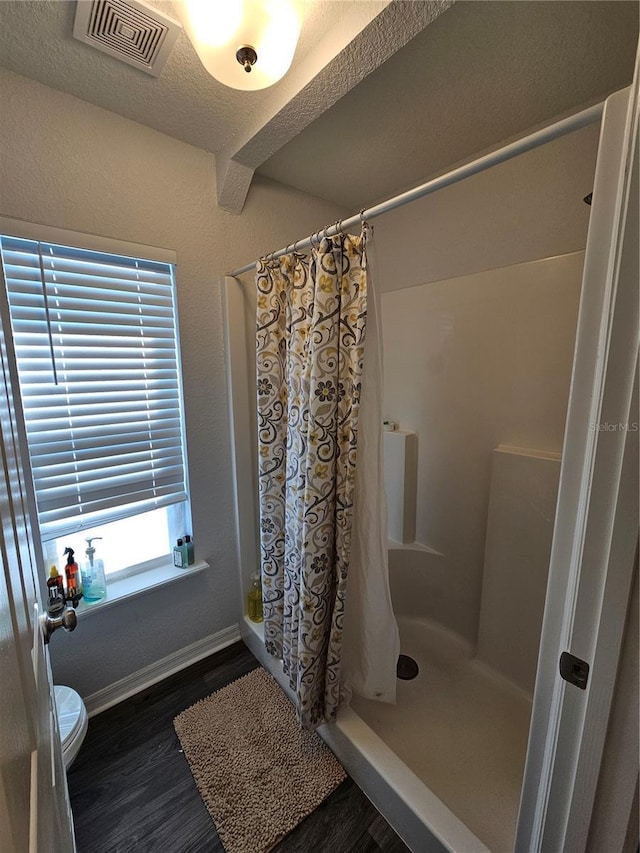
(245,44)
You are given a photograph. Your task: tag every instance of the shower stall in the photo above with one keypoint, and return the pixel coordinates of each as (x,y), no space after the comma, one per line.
(499,382)
(470,545)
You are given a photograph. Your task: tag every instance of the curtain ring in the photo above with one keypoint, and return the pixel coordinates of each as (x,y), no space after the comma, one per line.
(367,229)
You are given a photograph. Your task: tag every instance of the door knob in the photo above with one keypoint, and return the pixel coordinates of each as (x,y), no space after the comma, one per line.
(67,620)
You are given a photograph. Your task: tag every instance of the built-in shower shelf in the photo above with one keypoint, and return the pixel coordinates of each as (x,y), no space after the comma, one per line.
(412,546)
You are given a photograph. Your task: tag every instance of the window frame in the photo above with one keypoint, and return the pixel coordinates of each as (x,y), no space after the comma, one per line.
(50,234)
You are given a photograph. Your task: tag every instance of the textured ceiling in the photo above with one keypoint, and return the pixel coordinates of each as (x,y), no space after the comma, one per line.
(185,102)
(341,42)
(480,73)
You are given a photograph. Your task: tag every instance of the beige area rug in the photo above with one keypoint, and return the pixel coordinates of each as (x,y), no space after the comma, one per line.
(258,773)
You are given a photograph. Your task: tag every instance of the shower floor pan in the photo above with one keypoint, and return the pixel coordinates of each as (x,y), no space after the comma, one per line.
(461,728)
(444,765)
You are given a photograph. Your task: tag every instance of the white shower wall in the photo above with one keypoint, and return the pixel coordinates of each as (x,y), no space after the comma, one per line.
(472,363)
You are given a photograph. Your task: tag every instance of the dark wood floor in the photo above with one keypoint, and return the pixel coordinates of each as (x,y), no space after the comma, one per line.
(132,790)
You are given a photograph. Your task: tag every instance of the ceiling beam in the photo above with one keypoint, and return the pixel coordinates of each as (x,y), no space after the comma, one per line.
(349,52)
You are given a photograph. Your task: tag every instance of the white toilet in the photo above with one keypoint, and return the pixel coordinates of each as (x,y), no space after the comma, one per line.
(72,722)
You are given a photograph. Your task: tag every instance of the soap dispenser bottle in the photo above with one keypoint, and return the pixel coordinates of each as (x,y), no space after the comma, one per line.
(94,582)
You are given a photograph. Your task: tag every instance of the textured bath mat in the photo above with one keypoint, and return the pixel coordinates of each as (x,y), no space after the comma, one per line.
(258,774)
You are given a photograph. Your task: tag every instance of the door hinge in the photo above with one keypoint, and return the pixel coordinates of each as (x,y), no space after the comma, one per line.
(574,670)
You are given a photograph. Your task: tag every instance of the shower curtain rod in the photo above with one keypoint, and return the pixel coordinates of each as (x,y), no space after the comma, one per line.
(474,167)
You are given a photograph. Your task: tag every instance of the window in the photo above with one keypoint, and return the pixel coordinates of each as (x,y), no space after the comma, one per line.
(96,342)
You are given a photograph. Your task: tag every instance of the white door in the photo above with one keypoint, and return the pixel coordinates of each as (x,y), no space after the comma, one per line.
(596,529)
(35,816)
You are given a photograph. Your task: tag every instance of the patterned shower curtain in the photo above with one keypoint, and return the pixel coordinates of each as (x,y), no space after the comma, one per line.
(311,321)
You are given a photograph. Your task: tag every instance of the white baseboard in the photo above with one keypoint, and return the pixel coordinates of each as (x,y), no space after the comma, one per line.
(163,668)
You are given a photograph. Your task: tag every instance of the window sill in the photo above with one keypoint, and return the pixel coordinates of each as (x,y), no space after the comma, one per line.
(138,584)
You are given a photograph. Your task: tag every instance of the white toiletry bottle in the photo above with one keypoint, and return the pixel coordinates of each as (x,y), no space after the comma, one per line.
(179,555)
(94,583)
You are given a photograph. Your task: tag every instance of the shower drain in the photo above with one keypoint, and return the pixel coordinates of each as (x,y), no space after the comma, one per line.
(407,668)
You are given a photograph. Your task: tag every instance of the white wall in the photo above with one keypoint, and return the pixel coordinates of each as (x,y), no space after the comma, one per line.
(66,163)
(471,363)
(527,208)
(615,817)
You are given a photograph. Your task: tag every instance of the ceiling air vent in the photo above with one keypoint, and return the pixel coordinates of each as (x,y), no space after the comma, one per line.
(128,30)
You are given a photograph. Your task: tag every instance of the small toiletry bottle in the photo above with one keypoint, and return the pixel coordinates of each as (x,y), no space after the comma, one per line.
(179,555)
(55,588)
(94,582)
(74,586)
(188,544)
(254,600)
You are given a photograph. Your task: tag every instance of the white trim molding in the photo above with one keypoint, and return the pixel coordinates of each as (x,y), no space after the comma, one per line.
(91,242)
(241,394)
(128,686)
(596,528)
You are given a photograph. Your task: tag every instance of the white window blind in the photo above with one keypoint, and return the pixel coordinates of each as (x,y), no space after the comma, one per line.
(97,352)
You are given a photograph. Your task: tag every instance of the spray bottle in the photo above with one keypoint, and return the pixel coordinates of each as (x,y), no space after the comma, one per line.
(72,574)
(94,583)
